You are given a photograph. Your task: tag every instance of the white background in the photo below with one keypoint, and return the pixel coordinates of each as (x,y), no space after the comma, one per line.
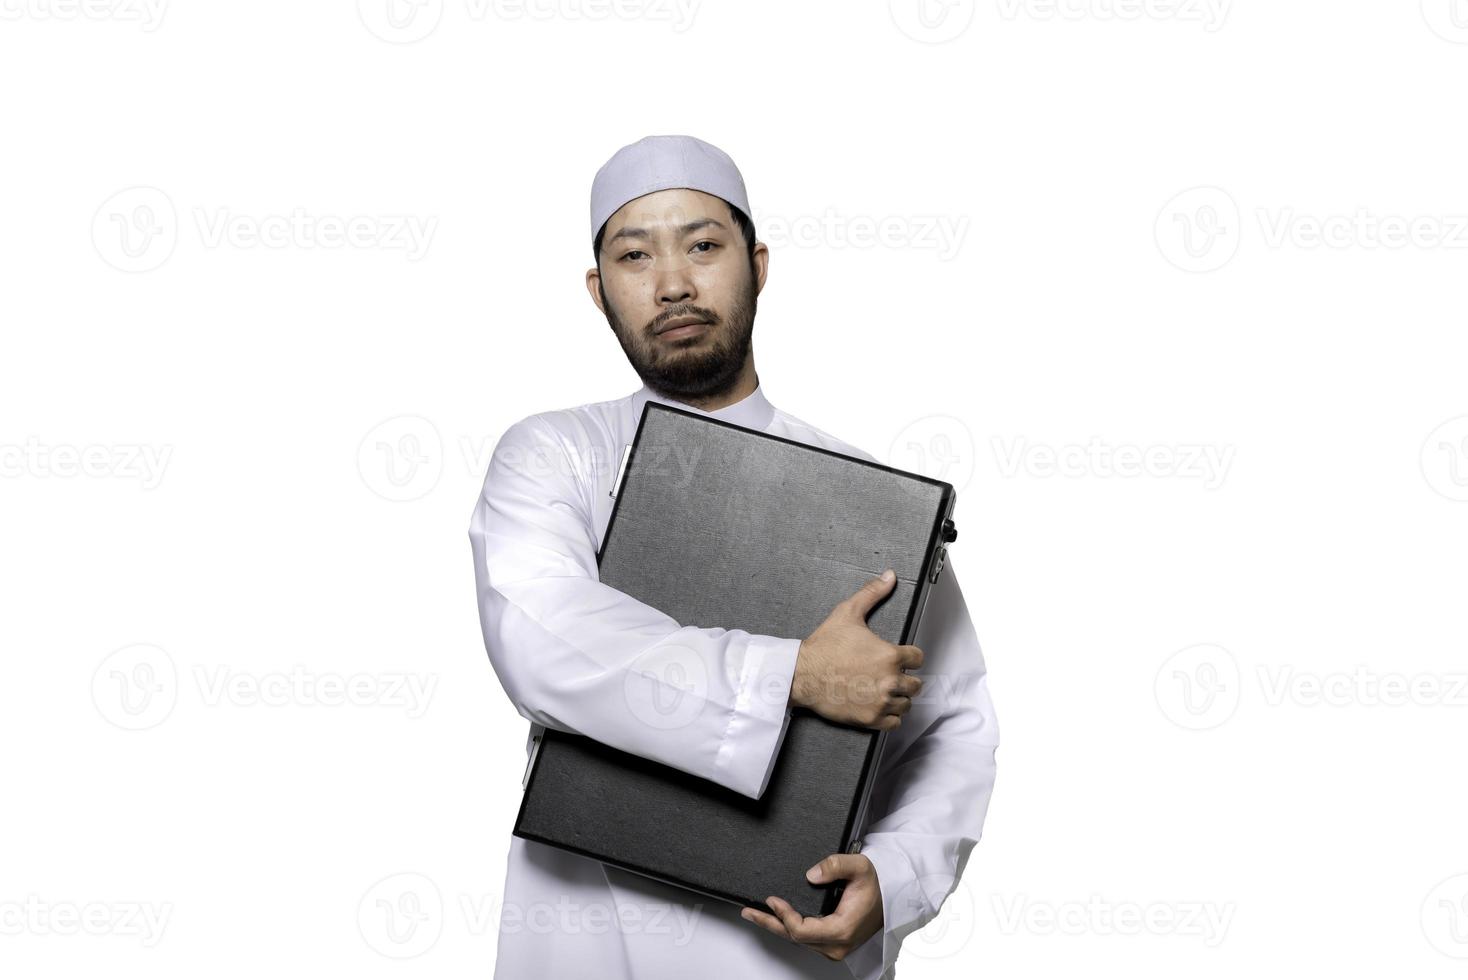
(1230,693)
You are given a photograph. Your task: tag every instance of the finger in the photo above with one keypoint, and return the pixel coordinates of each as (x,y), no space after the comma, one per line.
(765,921)
(838,867)
(816,930)
(909,657)
(862,601)
(906,686)
(791,920)
(897,706)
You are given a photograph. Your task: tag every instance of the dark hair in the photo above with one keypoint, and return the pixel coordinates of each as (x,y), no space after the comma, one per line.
(746,228)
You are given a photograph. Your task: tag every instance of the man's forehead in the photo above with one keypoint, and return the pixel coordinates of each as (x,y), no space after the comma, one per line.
(668,210)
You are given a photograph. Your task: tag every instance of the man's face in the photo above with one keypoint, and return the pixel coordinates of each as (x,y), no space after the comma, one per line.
(676,284)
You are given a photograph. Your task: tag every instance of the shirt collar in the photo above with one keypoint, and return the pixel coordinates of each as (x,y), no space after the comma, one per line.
(752,411)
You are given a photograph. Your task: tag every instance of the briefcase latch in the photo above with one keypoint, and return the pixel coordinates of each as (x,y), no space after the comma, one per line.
(621,471)
(948,534)
(530,762)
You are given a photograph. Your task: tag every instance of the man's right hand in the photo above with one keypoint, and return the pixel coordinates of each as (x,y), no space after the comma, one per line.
(849,674)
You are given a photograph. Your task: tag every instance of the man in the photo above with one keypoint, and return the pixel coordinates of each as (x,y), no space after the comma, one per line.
(678,272)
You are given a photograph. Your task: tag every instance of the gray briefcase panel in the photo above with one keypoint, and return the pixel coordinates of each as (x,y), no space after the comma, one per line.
(719,525)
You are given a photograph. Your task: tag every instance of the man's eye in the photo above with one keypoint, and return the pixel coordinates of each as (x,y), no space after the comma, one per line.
(711,246)
(634,255)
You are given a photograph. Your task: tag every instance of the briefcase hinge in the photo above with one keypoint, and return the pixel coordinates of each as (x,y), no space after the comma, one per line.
(621,470)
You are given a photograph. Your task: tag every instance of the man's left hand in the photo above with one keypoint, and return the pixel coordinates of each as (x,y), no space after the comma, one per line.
(857,917)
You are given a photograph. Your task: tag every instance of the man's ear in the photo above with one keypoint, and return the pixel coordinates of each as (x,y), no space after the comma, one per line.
(593,282)
(761,265)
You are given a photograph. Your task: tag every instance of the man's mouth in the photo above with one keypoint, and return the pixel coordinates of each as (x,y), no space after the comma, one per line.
(682,326)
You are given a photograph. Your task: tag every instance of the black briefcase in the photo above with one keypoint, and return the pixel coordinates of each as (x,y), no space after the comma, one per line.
(766,535)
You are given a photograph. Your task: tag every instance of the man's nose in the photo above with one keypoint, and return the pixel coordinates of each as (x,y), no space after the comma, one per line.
(675,285)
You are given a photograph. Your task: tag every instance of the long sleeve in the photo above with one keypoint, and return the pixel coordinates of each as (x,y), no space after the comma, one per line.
(934,784)
(579,656)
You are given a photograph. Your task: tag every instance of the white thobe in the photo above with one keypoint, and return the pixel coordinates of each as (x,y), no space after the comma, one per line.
(562,645)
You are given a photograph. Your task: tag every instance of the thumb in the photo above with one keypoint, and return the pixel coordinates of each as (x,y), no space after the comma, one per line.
(871,593)
(837,867)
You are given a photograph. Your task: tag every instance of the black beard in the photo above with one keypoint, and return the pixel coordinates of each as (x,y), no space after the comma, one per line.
(684,375)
